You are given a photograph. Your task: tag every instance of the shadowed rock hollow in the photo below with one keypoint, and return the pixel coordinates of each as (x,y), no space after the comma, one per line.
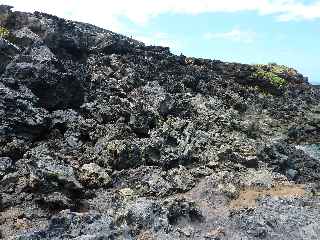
(103,137)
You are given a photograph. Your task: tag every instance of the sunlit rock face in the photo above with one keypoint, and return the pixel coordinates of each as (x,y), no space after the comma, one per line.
(103,137)
(311,149)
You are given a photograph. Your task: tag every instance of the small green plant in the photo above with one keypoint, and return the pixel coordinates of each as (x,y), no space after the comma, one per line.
(278,69)
(4,32)
(271,77)
(271,73)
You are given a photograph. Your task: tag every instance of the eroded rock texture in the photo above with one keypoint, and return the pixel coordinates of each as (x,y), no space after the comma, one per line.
(102,137)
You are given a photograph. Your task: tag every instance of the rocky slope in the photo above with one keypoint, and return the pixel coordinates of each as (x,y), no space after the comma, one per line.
(102,137)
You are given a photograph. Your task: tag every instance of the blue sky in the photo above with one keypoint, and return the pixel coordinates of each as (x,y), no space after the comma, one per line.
(248,31)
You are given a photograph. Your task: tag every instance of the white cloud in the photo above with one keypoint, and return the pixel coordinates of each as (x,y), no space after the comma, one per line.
(108,13)
(300,11)
(237,35)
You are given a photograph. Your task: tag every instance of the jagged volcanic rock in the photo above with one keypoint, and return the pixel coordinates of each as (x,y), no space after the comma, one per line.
(103,137)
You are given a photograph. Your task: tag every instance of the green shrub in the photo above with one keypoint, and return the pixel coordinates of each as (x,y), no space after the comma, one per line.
(279,69)
(4,32)
(271,77)
(271,73)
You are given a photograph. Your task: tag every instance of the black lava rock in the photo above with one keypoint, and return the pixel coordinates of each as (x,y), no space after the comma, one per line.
(103,137)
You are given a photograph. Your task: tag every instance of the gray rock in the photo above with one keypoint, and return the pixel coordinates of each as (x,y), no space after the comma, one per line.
(70,225)
(8,51)
(92,175)
(6,164)
(24,37)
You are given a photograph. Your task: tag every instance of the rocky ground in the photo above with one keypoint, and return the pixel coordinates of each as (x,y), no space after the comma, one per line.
(102,137)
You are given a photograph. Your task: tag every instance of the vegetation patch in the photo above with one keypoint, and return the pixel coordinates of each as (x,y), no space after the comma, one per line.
(4,32)
(271,73)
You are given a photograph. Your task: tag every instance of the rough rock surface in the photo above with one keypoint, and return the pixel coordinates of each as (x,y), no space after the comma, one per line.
(102,137)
